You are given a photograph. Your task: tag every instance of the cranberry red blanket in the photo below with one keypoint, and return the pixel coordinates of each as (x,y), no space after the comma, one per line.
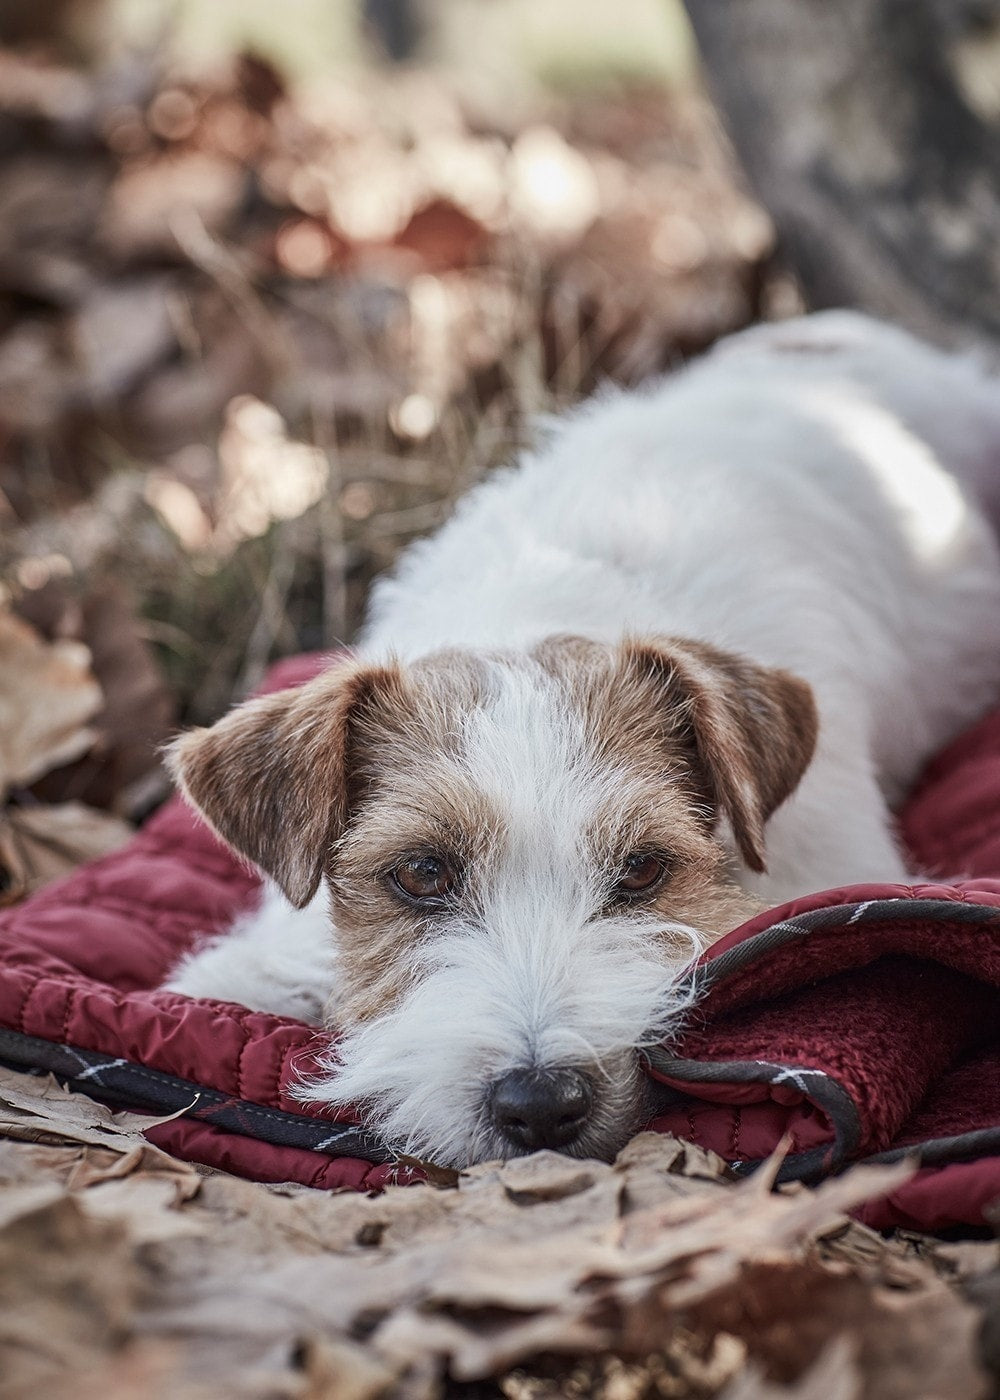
(856,1024)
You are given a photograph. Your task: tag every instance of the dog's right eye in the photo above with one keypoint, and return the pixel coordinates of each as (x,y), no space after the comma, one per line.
(427,879)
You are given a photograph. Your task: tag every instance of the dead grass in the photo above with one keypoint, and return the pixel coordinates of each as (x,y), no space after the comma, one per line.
(294,327)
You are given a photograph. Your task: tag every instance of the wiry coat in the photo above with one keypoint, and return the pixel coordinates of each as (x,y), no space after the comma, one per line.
(604,652)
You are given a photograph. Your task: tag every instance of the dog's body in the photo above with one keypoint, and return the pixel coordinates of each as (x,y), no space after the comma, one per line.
(545,783)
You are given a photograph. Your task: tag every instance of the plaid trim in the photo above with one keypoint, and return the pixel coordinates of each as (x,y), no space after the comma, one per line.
(869,911)
(816,1085)
(124,1083)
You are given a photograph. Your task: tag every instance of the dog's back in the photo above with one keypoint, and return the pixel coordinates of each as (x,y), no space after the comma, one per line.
(949,400)
(791,496)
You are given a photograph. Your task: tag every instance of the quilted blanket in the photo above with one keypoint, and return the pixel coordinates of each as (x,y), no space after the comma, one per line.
(854,1024)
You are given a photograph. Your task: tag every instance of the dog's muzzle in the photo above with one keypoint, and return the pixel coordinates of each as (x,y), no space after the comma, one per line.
(535,1108)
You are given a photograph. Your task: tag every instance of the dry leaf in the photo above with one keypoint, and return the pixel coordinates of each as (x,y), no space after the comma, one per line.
(41,844)
(137,716)
(139,1370)
(48,696)
(640,1287)
(343,1371)
(147,1203)
(68,1286)
(443,236)
(36,1108)
(834,1377)
(118,1173)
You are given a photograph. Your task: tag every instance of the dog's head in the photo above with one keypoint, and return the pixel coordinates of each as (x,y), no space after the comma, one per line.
(523,850)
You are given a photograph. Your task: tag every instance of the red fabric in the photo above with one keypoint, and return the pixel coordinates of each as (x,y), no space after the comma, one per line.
(78,960)
(899,1013)
(902,1014)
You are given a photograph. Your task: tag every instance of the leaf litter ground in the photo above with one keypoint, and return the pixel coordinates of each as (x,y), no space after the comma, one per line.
(122,1270)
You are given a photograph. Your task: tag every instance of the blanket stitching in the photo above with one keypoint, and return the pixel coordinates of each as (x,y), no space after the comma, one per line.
(239,1059)
(70,1003)
(23,1009)
(251,1109)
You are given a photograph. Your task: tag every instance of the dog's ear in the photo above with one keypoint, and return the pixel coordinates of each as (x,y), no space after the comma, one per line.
(753,729)
(272,777)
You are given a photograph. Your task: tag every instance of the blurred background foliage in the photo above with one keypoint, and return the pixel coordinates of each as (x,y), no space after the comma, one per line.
(272,295)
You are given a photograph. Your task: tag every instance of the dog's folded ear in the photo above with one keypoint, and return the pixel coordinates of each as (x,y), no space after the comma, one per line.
(272,777)
(752,729)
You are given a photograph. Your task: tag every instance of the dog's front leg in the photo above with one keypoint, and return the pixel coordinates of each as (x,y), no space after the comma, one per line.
(275,958)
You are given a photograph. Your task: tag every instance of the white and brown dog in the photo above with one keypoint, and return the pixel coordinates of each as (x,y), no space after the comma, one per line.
(681,661)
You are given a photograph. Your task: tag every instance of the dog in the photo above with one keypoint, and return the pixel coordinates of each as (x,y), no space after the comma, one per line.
(677,665)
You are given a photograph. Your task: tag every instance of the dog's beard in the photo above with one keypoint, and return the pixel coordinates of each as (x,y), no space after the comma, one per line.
(485,999)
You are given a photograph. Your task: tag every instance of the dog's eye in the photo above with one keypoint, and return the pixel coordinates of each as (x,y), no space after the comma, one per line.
(640,872)
(424,878)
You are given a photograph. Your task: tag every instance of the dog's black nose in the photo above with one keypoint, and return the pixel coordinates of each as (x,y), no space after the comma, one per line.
(536,1108)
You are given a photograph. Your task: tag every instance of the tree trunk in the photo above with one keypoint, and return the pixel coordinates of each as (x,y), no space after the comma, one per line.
(877,158)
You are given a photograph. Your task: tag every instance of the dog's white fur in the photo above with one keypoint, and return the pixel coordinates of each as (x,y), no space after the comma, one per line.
(810,495)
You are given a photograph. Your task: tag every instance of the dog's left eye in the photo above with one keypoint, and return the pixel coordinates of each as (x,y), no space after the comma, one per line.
(424,878)
(640,872)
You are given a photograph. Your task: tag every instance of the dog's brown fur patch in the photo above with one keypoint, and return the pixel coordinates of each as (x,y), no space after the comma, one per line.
(418,798)
(364,767)
(753,729)
(270,778)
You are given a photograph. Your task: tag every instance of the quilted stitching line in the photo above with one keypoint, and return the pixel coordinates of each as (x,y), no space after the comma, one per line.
(67,1012)
(239,1059)
(219,866)
(22,1014)
(152,909)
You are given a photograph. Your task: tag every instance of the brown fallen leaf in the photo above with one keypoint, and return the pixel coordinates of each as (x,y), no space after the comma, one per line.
(139,1370)
(147,1203)
(650,1172)
(517,1265)
(118,1174)
(342,1370)
(42,843)
(48,698)
(443,236)
(37,1108)
(614,1288)
(122,769)
(68,1285)
(834,1376)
